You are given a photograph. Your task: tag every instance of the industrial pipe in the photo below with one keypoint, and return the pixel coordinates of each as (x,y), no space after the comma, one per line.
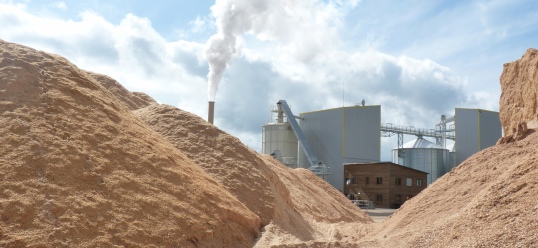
(211,112)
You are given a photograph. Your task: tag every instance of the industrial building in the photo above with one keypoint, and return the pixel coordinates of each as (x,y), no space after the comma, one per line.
(477,129)
(323,141)
(342,135)
(386,184)
(473,130)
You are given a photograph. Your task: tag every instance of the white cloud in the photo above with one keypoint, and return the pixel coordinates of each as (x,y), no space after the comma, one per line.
(60,5)
(199,24)
(132,52)
(292,50)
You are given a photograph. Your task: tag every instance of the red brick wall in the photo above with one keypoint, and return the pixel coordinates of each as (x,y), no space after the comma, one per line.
(388,188)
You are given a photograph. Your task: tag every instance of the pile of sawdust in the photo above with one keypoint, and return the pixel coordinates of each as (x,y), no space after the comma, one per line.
(519,98)
(490,200)
(133,100)
(290,201)
(86,163)
(79,169)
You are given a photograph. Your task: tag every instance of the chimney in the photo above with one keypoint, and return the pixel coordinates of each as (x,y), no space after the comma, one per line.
(211,112)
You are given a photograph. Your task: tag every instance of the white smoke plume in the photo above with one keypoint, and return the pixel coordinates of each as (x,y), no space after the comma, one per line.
(232,19)
(280,21)
(220,50)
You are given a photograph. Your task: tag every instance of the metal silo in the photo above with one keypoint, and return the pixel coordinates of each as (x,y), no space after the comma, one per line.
(278,139)
(421,154)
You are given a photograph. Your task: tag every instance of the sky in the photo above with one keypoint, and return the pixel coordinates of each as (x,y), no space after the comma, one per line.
(417,59)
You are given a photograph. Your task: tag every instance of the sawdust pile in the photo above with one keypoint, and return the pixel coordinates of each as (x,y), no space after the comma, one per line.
(291,201)
(133,100)
(519,99)
(78,169)
(490,200)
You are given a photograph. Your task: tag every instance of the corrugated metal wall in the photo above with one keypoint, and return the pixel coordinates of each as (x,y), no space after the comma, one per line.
(342,135)
(466,133)
(490,128)
(476,130)
(430,160)
(362,134)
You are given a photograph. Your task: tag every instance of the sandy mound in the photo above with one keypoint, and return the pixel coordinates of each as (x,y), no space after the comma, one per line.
(78,169)
(318,214)
(519,98)
(133,100)
(221,155)
(490,200)
(293,202)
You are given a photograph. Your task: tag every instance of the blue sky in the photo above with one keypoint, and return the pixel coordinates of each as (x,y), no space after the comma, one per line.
(417,59)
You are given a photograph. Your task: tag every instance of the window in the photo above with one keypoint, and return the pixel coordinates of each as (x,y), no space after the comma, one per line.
(355,180)
(409,181)
(379,197)
(379,180)
(397,198)
(398,181)
(419,182)
(367,180)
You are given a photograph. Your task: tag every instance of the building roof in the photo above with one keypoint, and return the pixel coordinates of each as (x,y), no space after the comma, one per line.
(420,143)
(383,163)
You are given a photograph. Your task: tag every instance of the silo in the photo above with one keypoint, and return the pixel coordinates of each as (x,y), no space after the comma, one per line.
(279,139)
(423,155)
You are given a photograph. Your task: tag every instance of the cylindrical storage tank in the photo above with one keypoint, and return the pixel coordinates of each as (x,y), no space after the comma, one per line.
(279,139)
(423,155)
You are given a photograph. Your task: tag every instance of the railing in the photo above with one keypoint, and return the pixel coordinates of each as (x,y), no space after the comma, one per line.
(388,130)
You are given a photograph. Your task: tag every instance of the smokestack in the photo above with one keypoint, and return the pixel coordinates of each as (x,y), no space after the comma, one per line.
(211,112)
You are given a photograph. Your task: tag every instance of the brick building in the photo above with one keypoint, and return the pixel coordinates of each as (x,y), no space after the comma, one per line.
(387,184)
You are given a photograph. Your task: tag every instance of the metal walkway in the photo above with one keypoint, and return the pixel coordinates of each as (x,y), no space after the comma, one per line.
(388,130)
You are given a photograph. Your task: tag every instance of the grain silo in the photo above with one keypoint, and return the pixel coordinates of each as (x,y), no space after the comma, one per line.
(279,140)
(423,155)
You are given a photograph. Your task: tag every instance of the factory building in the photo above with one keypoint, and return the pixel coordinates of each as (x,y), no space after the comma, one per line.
(385,184)
(476,130)
(342,135)
(323,141)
